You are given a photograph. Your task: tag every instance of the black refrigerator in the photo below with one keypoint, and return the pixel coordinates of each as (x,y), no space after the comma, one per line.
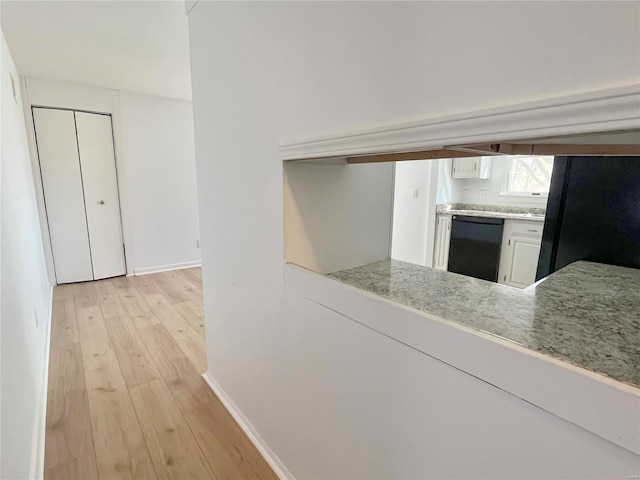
(593,213)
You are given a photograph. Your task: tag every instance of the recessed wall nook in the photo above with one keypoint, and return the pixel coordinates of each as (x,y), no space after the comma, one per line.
(351,209)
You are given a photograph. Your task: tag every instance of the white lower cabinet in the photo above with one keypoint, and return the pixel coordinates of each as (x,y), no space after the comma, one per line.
(520,251)
(443,237)
(521,242)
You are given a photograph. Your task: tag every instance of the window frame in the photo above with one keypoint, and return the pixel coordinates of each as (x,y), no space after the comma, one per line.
(528,195)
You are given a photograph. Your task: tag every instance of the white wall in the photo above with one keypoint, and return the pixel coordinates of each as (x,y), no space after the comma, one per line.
(380,410)
(157,143)
(332,398)
(156,169)
(451,190)
(25,293)
(337,216)
(414,219)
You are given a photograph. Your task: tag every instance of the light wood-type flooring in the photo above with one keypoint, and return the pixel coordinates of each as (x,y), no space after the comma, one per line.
(126,398)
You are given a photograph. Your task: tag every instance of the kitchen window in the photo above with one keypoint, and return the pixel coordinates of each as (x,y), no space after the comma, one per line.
(529,175)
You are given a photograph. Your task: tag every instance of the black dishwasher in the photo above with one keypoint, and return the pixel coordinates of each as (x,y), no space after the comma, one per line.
(475,246)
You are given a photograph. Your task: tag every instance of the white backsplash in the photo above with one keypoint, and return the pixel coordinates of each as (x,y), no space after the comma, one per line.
(482,191)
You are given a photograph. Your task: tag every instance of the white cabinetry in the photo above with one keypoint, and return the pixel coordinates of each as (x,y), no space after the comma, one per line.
(443,237)
(471,167)
(520,251)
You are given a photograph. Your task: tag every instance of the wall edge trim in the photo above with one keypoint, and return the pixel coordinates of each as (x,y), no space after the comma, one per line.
(247,427)
(604,110)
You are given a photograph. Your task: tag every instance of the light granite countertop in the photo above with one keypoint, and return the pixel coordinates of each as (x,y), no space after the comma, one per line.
(586,314)
(492,211)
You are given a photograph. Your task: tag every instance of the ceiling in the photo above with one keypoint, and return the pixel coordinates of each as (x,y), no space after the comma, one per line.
(136,46)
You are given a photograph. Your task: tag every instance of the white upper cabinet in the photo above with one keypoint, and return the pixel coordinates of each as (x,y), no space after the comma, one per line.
(471,167)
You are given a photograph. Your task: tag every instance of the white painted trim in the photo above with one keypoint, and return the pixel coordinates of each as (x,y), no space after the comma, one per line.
(606,110)
(40,430)
(591,401)
(271,458)
(166,268)
(121,179)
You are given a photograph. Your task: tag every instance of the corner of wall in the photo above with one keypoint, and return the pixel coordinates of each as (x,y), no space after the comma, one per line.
(39,431)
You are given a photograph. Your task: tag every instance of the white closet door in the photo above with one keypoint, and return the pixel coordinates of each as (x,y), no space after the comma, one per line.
(62,184)
(95,144)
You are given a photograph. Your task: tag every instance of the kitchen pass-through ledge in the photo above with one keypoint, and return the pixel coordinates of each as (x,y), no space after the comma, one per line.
(568,344)
(587,314)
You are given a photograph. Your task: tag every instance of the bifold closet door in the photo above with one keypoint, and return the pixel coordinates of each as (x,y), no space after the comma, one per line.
(63,193)
(77,161)
(95,144)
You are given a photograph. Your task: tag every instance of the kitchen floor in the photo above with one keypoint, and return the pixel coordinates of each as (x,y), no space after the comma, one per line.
(126,398)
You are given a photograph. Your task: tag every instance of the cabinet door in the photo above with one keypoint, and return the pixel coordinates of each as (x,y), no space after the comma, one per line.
(443,238)
(524,261)
(95,144)
(466,167)
(63,194)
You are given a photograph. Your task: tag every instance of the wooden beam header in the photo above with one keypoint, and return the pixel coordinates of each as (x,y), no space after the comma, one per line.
(402,156)
(554,149)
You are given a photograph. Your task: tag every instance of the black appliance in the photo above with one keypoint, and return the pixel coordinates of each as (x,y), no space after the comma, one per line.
(593,213)
(475,246)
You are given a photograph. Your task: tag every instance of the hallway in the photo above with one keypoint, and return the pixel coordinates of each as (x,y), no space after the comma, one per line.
(126,398)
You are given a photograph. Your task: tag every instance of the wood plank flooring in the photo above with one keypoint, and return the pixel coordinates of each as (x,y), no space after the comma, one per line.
(126,399)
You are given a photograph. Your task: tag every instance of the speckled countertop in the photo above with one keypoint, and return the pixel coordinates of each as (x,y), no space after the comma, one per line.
(492,211)
(586,314)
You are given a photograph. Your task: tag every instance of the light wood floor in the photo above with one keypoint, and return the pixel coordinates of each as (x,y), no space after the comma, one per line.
(126,398)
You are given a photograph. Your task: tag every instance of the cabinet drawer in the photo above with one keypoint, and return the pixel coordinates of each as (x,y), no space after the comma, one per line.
(527,228)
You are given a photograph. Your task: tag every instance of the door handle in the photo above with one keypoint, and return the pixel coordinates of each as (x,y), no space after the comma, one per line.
(101,202)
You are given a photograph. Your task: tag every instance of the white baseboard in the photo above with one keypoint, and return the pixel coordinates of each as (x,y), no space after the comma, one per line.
(272,459)
(166,268)
(40,430)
